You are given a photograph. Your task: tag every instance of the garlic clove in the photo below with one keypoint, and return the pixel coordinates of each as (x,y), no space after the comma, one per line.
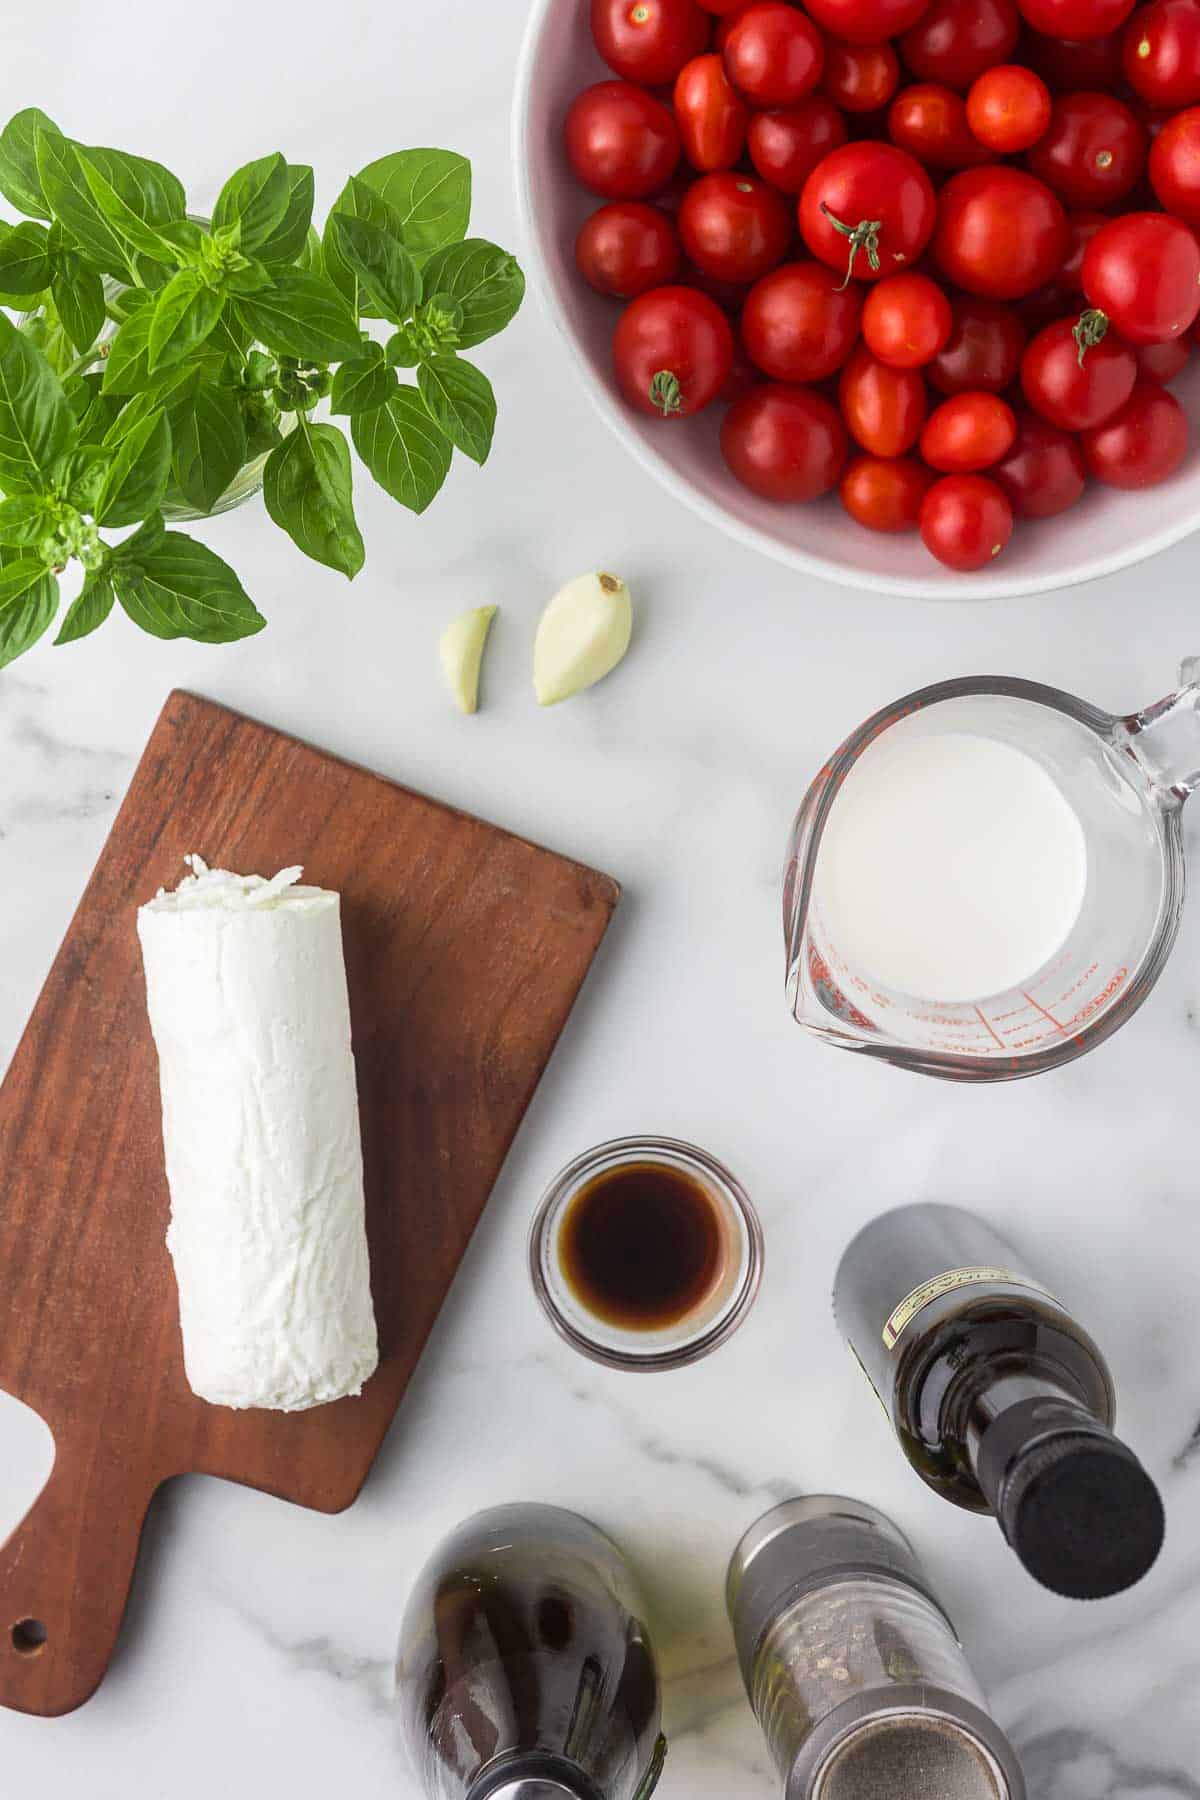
(461,649)
(581,637)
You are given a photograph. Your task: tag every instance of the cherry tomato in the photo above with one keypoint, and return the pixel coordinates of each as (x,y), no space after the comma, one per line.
(734,226)
(983,350)
(672,351)
(741,380)
(884,493)
(1162,362)
(956,40)
(627,248)
(1175,165)
(1043,473)
(967,433)
(1161,53)
(730,296)
(711,115)
(930,122)
(1093,151)
(860,77)
(1081,228)
(906,321)
(1152,119)
(884,407)
(722,6)
(1143,272)
(786,443)
(866,21)
(966,521)
(649,40)
(1072,392)
(621,141)
(1000,232)
(774,54)
(1008,108)
(1077,19)
(1141,444)
(787,143)
(1070,65)
(867,210)
(798,324)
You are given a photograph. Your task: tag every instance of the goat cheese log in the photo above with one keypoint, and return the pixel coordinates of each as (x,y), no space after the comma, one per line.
(247,996)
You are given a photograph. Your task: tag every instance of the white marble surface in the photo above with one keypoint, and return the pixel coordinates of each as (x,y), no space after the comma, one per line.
(256,1652)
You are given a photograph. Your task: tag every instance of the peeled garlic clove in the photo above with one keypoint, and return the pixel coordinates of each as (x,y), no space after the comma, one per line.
(461,650)
(582,636)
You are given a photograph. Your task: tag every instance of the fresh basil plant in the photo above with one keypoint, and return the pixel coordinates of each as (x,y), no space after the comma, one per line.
(153,357)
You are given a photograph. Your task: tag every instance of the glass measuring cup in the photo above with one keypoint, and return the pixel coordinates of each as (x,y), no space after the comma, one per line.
(1126,779)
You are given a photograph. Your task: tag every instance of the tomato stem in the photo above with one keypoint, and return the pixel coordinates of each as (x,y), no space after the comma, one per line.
(666,393)
(863,236)
(1089,330)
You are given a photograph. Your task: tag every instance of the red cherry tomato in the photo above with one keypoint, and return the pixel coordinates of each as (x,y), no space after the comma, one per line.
(866,21)
(1143,272)
(1162,362)
(774,54)
(884,407)
(734,226)
(627,248)
(956,40)
(1043,473)
(1082,228)
(1008,108)
(649,40)
(867,210)
(1161,53)
(672,351)
(966,521)
(906,321)
(1141,444)
(621,141)
(721,7)
(860,77)
(983,350)
(785,443)
(884,493)
(1000,232)
(1072,392)
(967,433)
(711,115)
(741,380)
(1070,65)
(1175,165)
(1093,151)
(787,143)
(1078,19)
(798,324)
(930,122)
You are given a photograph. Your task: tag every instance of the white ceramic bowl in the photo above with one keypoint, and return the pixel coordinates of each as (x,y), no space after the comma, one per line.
(1107,530)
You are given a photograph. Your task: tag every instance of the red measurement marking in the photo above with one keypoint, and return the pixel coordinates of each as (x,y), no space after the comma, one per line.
(998,1040)
(1057,1023)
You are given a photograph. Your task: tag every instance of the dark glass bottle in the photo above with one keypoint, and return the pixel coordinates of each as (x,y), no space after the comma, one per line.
(1001,1402)
(525,1671)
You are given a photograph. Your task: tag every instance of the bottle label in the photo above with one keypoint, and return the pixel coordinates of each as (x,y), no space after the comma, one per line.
(920,1297)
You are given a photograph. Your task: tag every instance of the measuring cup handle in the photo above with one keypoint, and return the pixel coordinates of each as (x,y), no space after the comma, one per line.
(1164,739)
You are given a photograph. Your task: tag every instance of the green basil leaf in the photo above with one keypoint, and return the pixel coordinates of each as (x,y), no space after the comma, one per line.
(301,315)
(251,278)
(208,439)
(307,491)
(184,314)
(363,383)
(286,242)
(184,237)
(17,576)
(149,190)
(389,282)
(255,199)
(19,179)
(356,201)
(94,410)
(129,217)
(402,350)
(136,477)
(79,296)
(36,421)
(88,611)
(23,520)
(310,255)
(460,398)
(431,192)
(74,205)
(403,448)
(125,302)
(25,260)
(79,475)
(485,281)
(167,392)
(126,368)
(25,616)
(174,587)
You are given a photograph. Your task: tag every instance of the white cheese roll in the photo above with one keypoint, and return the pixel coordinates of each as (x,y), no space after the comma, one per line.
(248,1005)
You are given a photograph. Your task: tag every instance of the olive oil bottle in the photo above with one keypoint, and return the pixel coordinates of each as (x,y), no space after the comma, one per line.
(1001,1402)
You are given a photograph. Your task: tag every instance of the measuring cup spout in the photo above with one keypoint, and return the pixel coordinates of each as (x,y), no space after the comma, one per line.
(1163,740)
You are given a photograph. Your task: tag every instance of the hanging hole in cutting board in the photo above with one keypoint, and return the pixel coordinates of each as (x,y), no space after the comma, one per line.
(28,1637)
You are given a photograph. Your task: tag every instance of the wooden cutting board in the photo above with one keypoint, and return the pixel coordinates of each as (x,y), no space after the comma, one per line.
(465,948)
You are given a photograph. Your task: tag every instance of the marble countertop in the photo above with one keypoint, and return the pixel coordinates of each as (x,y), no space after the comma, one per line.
(257,1651)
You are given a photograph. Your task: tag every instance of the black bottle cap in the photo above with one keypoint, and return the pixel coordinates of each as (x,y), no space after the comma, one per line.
(1082,1514)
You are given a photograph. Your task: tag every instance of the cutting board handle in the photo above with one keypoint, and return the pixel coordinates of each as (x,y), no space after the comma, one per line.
(65,1575)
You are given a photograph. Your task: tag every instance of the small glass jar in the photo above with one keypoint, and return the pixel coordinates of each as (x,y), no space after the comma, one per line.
(716,1314)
